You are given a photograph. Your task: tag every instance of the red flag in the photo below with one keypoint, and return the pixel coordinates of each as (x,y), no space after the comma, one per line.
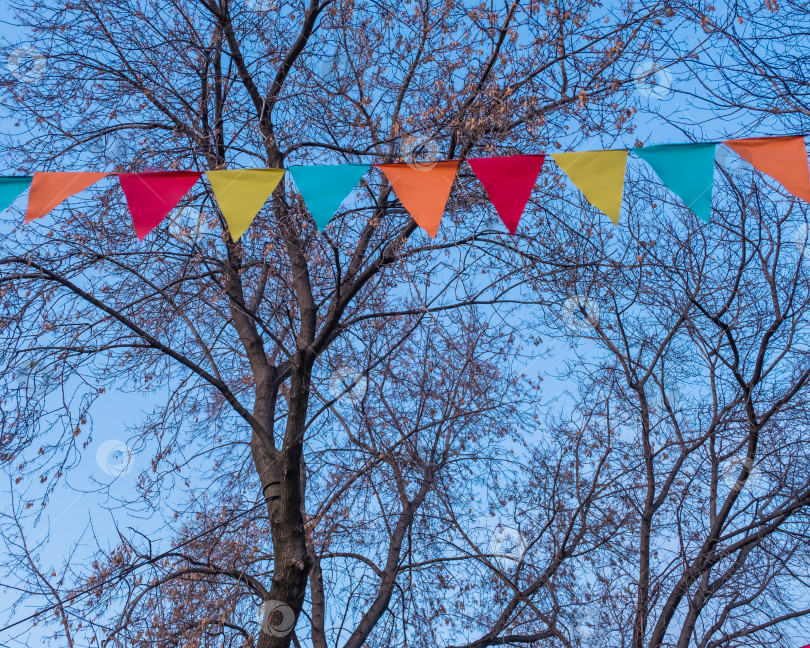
(508,182)
(151,196)
(50,189)
(782,158)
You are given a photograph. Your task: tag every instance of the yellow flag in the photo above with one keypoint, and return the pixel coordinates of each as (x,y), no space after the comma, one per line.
(242,193)
(599,175)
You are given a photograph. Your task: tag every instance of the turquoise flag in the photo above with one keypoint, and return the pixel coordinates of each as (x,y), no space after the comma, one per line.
(11,187)
(687,170)
(324,188)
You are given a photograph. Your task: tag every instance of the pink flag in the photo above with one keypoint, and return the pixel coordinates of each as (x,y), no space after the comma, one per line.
(508,182)
(151,196)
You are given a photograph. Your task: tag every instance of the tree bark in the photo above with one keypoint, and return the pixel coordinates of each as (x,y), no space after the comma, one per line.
(291,561)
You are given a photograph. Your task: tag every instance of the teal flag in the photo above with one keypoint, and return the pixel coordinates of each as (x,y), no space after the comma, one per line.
(324,188)
(11,187)
(687,170)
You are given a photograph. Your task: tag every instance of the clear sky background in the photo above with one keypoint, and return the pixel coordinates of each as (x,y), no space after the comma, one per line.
(79,510)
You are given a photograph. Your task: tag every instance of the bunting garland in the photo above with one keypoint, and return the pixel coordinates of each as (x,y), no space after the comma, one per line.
(242,193)
(599,175)
(152,195)
(782,158)
(11,187)
(508,182)
(688,171)
(325,187)
(49,190)
(424,189)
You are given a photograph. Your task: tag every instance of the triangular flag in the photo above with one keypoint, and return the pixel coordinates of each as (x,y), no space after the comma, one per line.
(11,187)
(687,170)
(599,175)
(508,182)
(782,158)
(242,193)
(151,196)
(50,189)
(325,187)
(422,191)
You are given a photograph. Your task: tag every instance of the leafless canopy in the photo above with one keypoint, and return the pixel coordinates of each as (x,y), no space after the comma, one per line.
(580,435)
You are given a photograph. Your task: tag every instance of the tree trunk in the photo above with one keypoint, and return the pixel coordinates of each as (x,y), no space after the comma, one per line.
(283,486)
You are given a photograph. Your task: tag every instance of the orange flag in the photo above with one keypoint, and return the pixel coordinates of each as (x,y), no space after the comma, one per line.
(423,192)
(50,189)
(782,158)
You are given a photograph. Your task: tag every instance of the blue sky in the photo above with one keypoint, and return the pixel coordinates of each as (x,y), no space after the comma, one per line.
(80,508)
(72,512)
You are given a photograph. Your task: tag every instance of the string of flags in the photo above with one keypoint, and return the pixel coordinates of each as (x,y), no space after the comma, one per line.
(686,169)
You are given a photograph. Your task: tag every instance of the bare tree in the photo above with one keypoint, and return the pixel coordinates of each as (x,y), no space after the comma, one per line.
(346,412)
